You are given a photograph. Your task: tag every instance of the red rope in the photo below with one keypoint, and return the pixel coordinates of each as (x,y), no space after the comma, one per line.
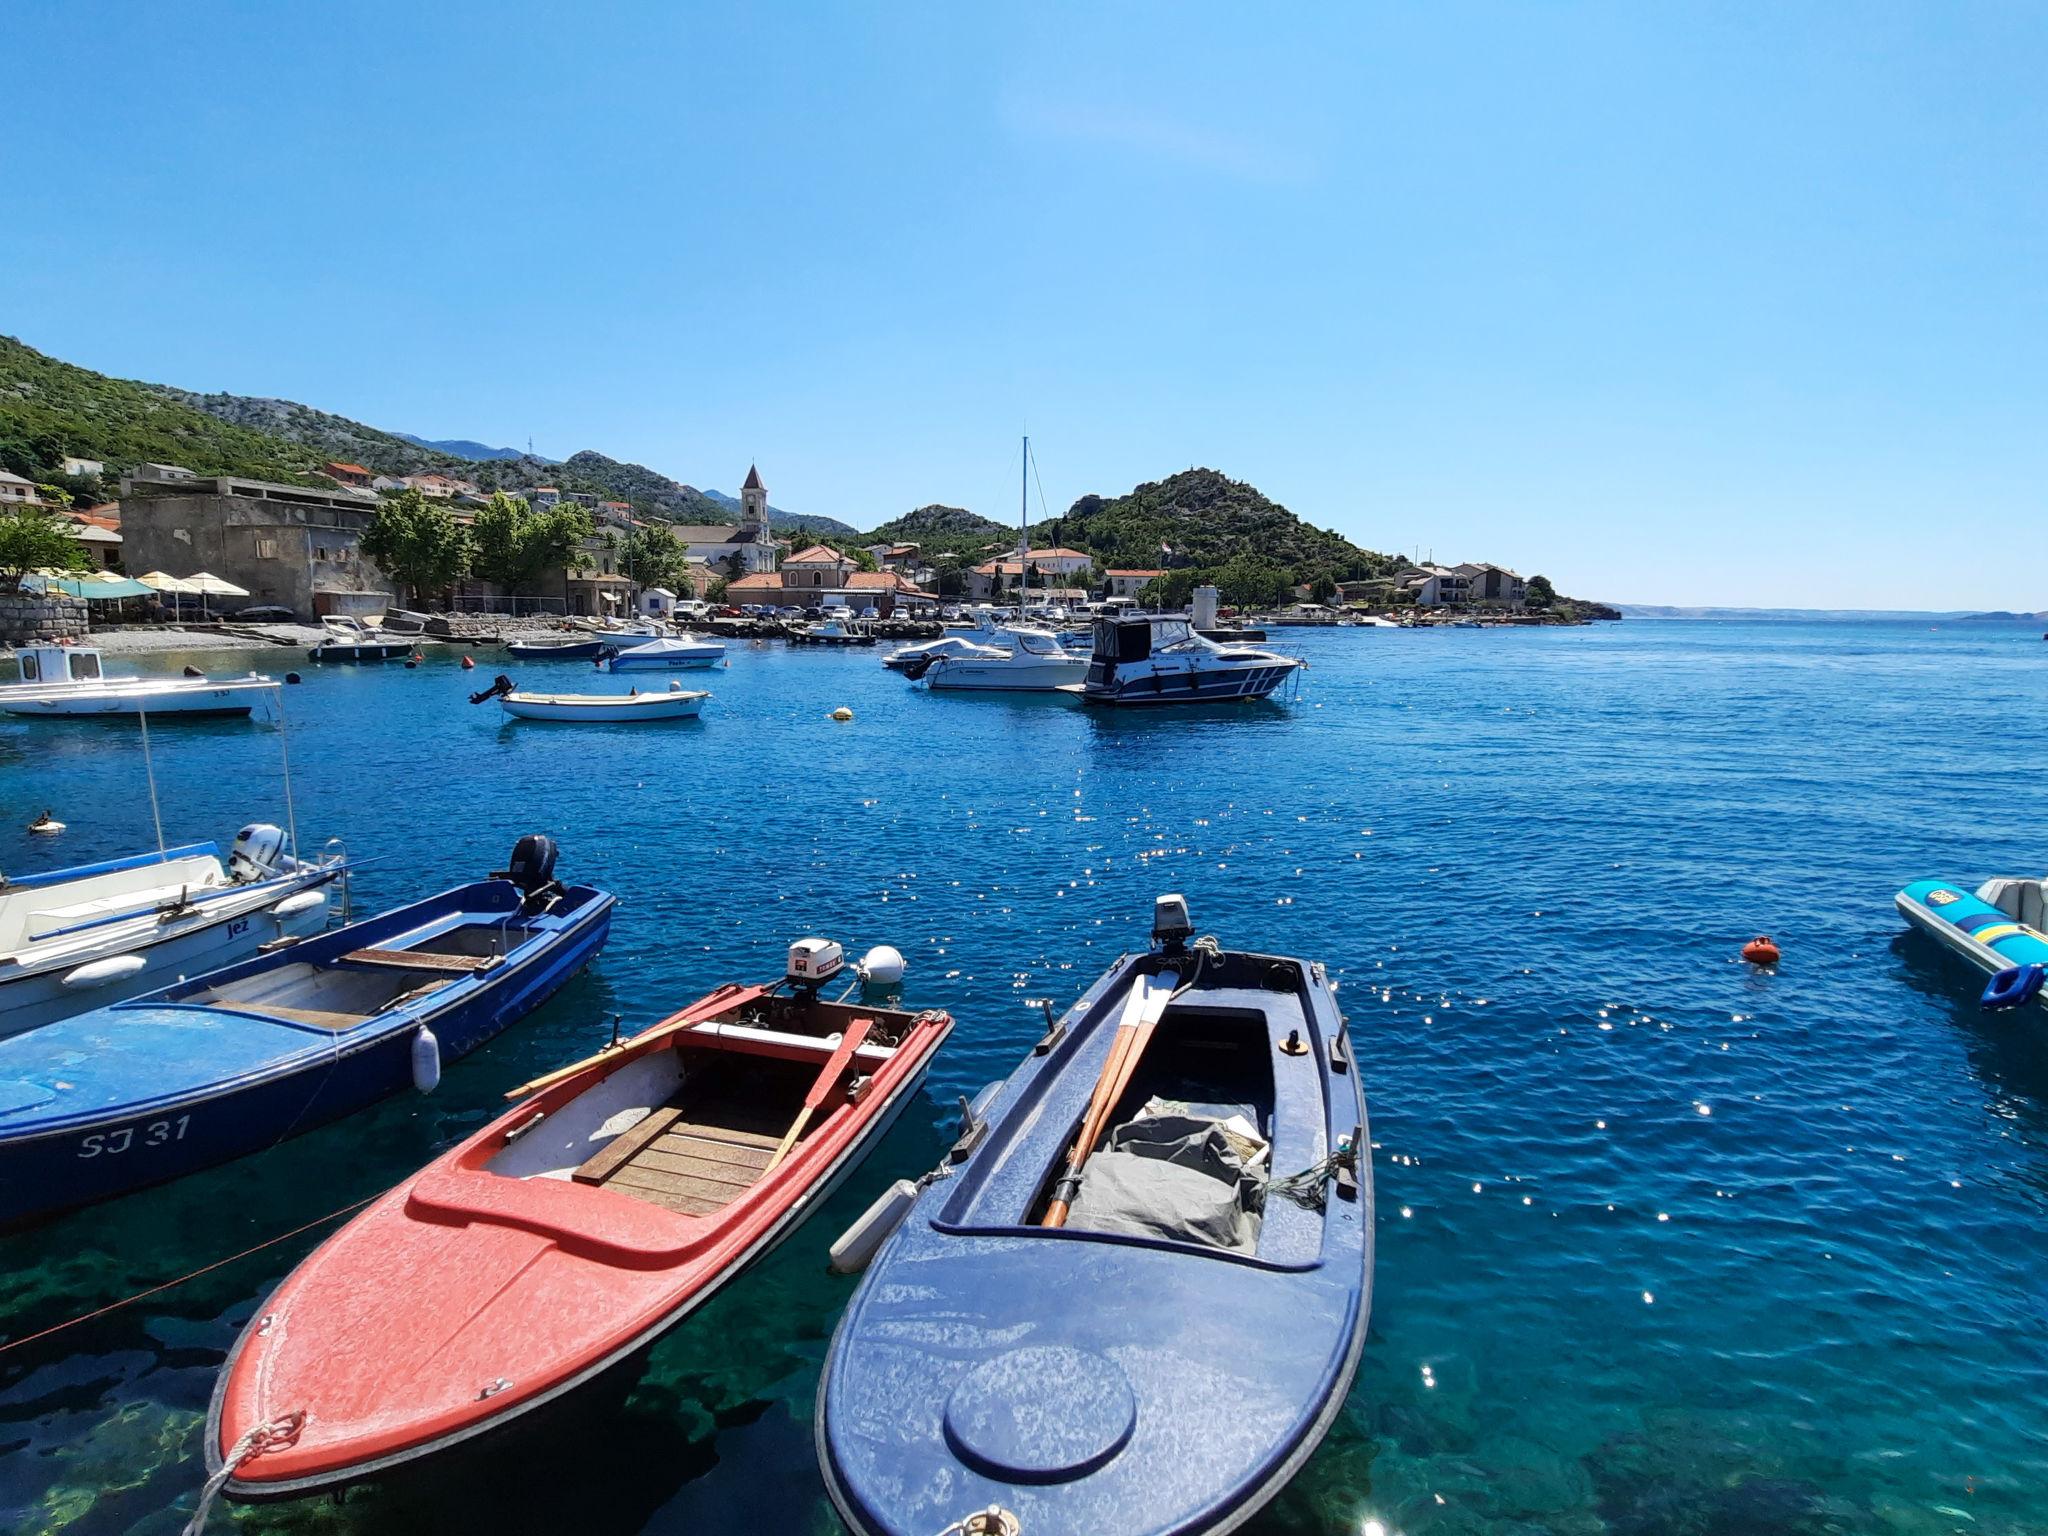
(157,1290)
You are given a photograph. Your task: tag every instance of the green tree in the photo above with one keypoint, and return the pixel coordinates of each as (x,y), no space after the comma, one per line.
(862,559)
(1540,593)
(516,545)
(35,539)
(418,543)
(655,557)
(715,593)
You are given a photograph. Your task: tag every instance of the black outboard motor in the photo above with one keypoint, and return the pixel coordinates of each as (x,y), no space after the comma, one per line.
(502,685)
(532,869)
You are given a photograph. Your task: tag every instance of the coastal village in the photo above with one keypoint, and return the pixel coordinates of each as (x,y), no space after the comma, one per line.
(298,551)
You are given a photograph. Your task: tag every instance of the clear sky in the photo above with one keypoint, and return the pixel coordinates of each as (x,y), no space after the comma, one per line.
(1670,302)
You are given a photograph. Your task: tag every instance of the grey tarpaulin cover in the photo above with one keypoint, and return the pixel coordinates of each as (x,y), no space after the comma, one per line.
(1176,1172)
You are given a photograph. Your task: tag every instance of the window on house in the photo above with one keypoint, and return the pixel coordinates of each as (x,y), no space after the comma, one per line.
(266,549)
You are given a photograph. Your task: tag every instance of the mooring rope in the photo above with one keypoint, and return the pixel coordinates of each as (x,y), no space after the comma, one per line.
(282,1430)
(168,1285)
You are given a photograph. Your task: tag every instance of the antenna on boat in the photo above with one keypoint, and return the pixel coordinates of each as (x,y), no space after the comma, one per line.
(1023,528)
(149,770)
(284,744)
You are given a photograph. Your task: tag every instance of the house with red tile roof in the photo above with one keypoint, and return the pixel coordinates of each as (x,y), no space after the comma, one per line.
(347,474)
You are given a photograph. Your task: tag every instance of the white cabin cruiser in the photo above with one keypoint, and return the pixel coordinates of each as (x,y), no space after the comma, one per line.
(1021,660)
(665,653)
(81,938)
(69,681)
(1161,659)
(980,639)
(350,639)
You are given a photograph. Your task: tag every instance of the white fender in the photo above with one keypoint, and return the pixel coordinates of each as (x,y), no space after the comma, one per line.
(857,1245)
(304,901)
(426,1061)
(98,973)
(883,965)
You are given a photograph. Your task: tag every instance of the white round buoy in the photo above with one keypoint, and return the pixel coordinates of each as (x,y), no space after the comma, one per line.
(426,1061)
(842,714)
(882,965)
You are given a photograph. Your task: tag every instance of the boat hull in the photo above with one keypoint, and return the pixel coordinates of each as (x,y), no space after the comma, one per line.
(647,706)
(360,650)
(949,675)
(232,926)
(573,650)
(660,657)
(158,1136)
(1187,686)
(1095,1380)
(196,697)
(594,1288)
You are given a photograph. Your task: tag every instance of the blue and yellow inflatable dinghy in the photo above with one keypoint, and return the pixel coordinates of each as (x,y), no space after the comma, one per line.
(1998,928)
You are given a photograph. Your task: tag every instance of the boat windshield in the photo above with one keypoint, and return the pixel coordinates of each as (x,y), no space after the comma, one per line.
(1036,642)
(85,665)
(1178,635)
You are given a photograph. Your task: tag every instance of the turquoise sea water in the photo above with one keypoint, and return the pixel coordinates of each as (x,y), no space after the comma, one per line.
(1667,1247)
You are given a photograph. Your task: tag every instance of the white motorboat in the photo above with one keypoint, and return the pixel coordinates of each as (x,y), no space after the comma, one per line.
(664,653)
(1021,660)
(349,639)
(1161,659)
(69,681)
(958,642)
(675,703)
(75,939)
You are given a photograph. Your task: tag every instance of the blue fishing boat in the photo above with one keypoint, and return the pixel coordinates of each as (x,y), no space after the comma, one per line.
(1133,1296)
(1999,928)
(234,1061)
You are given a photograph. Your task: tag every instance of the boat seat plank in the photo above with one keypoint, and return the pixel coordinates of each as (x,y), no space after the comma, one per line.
(320,1017)
(697,1169)
(423,960)
(678,1192)
(682,1144)
(617,1152)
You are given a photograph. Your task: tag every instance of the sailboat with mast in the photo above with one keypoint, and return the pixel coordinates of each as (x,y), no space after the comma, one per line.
(1019,658)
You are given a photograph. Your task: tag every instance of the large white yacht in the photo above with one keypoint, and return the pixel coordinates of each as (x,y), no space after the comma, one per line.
(1161,659)
(1019,660)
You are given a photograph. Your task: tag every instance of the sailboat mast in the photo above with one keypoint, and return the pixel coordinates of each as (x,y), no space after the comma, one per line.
(1023,522)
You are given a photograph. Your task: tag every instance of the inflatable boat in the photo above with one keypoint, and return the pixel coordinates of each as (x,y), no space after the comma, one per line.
(1998,928)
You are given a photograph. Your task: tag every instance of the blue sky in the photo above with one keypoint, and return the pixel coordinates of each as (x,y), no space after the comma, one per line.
(1672,303)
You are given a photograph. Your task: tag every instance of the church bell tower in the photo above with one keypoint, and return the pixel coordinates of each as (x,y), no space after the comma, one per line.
(754,522)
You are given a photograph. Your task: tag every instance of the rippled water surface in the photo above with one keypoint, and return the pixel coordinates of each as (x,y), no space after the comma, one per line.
(1667,1247)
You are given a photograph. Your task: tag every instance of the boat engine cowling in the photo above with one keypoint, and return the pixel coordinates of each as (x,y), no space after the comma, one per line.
(532,865)
(258,853)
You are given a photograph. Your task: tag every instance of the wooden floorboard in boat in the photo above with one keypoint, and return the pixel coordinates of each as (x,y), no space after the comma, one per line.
(422,959)
(319,1017)
(685,1145)
(690,1196)
(659,1160)
(620,1150)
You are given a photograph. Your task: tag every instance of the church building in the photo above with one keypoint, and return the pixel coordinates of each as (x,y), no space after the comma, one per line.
(751,541)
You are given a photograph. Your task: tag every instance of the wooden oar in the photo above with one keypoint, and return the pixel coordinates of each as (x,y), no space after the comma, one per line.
(834,1065)
(727,997)
(1143,1008)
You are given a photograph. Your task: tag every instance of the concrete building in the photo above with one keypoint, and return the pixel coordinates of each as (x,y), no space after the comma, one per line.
(16,491)
(1130,583)
(992,579)
(73,465)
(1495,585)
(352,475)
(817,568)
(290,546)
(161,472)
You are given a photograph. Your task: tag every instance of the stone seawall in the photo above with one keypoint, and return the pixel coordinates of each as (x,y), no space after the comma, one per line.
(28,619)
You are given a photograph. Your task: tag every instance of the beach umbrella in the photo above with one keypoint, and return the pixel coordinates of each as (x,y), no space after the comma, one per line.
(173,587)
(98,588)
(208,585)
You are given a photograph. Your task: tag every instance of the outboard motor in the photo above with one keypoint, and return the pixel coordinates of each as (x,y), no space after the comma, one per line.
(258,854)
(532,869)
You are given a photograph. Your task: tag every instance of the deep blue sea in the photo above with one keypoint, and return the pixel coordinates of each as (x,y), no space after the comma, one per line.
(1667,1247)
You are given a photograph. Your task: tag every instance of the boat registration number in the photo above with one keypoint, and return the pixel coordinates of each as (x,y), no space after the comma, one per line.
(157,1133)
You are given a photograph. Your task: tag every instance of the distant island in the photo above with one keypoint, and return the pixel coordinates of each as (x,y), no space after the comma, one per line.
(1837,615)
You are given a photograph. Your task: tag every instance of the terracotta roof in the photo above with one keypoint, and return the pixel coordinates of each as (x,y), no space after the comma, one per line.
(760,581)
(883,581)
(1059,552)
(753,480)
(1147,574)
(347,469)
(817,553)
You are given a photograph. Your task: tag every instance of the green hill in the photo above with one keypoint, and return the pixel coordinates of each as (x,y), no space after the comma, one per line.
(326,435)
(939,530)
(1207,520)
(50,408)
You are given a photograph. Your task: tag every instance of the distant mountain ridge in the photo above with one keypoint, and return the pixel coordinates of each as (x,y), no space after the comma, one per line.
(810,522)
(469,448)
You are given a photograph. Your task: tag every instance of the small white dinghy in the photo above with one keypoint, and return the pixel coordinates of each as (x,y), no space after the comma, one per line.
(675,703)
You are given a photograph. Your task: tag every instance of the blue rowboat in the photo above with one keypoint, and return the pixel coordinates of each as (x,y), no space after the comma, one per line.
(1168,1357)
(1999,929)
(234,1061)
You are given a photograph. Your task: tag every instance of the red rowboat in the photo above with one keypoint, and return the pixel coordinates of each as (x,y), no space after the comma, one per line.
(563,1237)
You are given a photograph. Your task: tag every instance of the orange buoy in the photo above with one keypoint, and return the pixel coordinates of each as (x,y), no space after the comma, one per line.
(1761,950)
(468,662)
